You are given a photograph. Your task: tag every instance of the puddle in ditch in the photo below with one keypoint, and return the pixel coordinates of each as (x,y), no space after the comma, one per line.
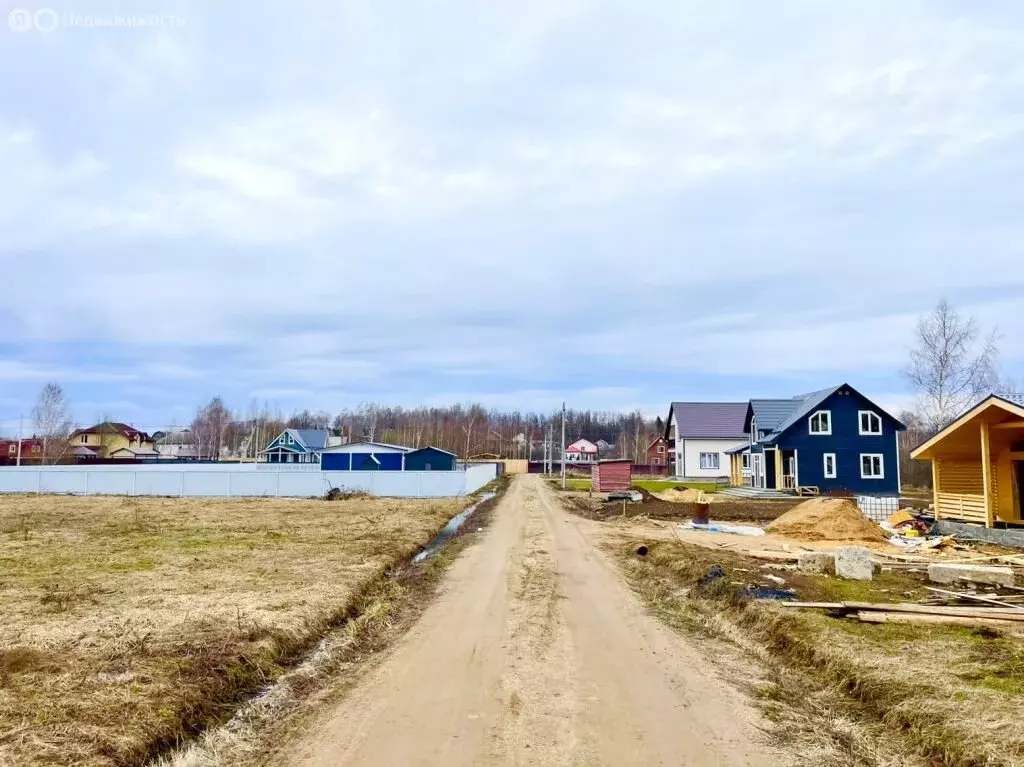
(438,541)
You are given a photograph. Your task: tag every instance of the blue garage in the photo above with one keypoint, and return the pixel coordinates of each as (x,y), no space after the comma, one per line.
(363,456)
(429,459)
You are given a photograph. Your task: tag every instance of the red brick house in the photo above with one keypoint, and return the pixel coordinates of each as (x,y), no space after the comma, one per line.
(657,452)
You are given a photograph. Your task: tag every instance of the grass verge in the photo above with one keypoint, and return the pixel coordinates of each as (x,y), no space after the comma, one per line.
(885,694)
(131,625)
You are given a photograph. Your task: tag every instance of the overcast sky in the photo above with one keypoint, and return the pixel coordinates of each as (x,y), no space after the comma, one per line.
(616,203)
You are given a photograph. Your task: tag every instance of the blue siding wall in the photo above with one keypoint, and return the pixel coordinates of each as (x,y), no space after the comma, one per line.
(336,461)
(387,462)
(438,460)
(846,442)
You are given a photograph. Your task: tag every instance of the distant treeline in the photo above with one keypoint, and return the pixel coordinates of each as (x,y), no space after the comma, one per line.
(465,430)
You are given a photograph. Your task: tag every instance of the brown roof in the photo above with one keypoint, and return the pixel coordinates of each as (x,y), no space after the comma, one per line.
(114,427)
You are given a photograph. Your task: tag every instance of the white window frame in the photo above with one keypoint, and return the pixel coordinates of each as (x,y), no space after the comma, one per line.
(860,423)
(746,460)
(824,466)
(661,448)
(881,466)
(717,461)
(810,423)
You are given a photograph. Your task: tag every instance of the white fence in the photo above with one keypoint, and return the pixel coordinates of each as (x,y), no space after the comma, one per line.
(213,480)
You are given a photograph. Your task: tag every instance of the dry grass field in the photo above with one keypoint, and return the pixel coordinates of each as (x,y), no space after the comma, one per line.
(126,623)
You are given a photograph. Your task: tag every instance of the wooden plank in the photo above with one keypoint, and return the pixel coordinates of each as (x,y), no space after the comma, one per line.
(814,605)
(935,490)
(1003,613)
(972,597)
(1009,425)
(774,556)
(956,620)
(986,473)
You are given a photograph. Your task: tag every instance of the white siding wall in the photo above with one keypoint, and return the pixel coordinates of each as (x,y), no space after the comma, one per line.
(690,450)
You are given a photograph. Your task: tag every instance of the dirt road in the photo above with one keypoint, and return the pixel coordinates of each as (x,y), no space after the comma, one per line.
(537,653)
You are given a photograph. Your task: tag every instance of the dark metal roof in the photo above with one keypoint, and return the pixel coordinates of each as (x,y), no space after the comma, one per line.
(804,405)
(769,413)
(1016,399)
(430,447)
(315,439)
(712,420)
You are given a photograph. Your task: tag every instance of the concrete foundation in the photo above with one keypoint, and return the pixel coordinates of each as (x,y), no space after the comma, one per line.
(817,562)
(997,576)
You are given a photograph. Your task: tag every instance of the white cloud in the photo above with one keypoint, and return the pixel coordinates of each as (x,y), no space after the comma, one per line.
(507,202)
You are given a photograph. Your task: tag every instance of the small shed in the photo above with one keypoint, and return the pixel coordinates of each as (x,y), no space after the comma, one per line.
(430,459)
(614,475)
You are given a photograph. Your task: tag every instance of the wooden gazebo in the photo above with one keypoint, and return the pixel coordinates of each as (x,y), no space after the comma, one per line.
(978,464)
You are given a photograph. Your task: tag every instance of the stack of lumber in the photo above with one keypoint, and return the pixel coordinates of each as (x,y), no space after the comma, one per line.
(959,608)
(893,561)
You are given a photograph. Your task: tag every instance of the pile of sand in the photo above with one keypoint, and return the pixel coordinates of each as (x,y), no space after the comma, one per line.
(827,519)
(675,495)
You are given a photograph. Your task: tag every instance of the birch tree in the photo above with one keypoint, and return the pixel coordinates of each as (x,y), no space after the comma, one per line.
(952,364)
(52,422)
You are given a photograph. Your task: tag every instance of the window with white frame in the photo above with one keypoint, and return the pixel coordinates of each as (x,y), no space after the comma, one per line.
(870,423)
(661,448)
(872,466)
(746,460)
(821,422)
(829,460)
(709,460)
(84,439)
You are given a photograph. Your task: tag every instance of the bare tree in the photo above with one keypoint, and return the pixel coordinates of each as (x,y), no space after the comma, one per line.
(52,422)
(951,365)
(209,427)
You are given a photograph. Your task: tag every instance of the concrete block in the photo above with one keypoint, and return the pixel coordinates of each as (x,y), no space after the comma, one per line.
(995,575)
(854,563)
(820,562)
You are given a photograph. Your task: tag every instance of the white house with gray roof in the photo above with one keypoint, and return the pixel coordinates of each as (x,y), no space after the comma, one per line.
(700,434)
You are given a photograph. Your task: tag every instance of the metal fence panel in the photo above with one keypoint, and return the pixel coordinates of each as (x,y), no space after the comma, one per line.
(155,483)
(63,482)
(191,481)
(110,482)
(252,484)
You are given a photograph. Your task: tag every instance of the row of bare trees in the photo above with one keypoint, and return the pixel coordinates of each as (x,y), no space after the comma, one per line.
(464,429)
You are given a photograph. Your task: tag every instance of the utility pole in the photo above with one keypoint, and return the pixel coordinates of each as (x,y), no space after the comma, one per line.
(563,445)
(21,426)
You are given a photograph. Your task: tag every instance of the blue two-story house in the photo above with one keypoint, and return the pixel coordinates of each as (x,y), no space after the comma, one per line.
(834,440)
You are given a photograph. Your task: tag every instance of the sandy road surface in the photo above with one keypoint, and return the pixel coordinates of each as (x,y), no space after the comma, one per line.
(536,653)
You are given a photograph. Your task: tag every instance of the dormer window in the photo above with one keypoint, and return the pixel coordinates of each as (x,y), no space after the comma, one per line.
(870,423)
(821,422)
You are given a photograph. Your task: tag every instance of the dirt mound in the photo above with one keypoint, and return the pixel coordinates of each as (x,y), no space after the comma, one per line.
(827,519)
(675,495)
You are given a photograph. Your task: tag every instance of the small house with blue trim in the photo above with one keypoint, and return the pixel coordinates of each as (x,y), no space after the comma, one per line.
(298,446)
(833,440)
